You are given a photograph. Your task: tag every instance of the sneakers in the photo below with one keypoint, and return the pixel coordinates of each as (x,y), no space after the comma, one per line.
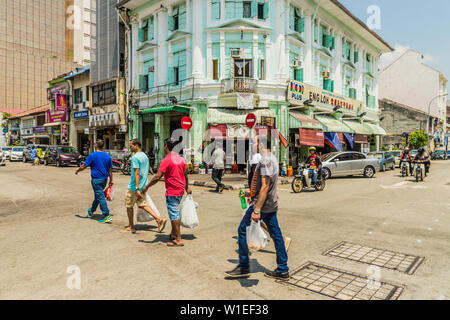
(105,219)
(284,276)
(238,272)
(90,213)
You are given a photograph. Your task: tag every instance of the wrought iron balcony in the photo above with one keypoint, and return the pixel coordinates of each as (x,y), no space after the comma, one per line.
(232,85)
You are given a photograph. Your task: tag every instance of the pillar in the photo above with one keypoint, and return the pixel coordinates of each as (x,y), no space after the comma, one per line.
(199,115)
(281,112)
(197,40)
(308,75)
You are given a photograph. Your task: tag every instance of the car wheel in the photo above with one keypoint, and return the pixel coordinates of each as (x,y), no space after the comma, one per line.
(369,172)
(327,174)
(45,162)
(24,160)
(58,164)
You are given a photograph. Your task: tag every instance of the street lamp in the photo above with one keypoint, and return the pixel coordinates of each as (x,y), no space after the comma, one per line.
(428,119)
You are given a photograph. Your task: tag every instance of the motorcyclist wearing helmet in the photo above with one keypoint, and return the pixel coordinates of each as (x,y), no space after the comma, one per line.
(314,164)
(422,156)
(406,156)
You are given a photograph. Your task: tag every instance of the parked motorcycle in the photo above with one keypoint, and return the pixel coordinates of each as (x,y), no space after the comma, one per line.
(420,172)
(304,180)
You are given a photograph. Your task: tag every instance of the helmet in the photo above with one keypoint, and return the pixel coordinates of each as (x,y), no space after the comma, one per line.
(421,150)
(406,149)
(312,149)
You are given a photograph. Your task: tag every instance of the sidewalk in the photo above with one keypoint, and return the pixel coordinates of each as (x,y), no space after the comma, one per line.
(231,181)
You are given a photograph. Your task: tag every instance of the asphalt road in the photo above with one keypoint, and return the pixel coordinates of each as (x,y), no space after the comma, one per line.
(44,233)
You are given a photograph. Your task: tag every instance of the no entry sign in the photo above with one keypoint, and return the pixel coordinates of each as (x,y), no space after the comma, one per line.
(250,121)
(186,123)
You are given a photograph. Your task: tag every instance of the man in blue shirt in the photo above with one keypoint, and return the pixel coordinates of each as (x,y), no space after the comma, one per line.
(33,156)
(101,168)
(135,193)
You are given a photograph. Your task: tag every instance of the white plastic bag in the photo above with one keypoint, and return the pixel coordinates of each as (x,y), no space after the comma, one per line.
(256,238)
(144,216)
(188,212)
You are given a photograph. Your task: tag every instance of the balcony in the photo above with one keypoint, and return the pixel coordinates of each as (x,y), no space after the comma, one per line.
(246,85)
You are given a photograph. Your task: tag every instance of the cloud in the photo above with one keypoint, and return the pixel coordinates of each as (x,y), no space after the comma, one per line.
(388,58)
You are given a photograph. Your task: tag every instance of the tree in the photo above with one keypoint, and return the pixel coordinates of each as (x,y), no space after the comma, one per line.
(418,139)
(5,115)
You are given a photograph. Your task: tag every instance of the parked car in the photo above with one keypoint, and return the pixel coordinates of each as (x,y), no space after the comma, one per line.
(2,158)
(396,155)
(7,151)
(349,164)
(16,154)
(386,159)
(27,151)
(62,156)
(414,152)
(439,155)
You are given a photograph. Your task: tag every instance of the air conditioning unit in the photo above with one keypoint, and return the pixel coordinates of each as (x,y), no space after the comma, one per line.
(325,74)
(297,64)
(236,53)
(151,69)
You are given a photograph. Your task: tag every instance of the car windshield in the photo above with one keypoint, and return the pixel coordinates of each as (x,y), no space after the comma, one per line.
(396,153)
(6,149)
(67,150)
(414,152)
(17,149)
(376,155)
(328,156)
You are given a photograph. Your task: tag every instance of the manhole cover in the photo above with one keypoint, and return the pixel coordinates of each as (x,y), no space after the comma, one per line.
(342,285)
(402,262)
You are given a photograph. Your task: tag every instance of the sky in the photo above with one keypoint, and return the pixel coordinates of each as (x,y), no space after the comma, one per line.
(420,25)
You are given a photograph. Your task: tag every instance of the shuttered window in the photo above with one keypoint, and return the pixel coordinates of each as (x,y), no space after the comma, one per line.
(215,9)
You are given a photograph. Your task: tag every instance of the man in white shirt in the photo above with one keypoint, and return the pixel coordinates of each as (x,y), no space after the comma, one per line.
(217,162)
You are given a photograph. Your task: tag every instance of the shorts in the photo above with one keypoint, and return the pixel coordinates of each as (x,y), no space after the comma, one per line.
(131,199)
(173,207)
(36,161)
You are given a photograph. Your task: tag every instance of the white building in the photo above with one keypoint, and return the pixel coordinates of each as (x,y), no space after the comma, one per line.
(83,13)
(226,58)
(411,82)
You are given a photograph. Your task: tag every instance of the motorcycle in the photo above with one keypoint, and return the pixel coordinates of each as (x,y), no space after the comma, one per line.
(405,168)
(420,172)
(304,180)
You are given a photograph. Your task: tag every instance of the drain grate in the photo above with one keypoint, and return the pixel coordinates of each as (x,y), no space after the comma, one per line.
(402,262)
(342,285)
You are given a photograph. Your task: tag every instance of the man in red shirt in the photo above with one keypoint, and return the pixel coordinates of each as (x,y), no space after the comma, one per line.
(173,168)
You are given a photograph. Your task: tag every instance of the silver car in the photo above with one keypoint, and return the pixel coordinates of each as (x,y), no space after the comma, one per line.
(16,154)
(2,158)
(349,163)
(6,151)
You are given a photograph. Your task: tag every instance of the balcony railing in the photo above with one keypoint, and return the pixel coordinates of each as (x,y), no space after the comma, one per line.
(232,85)
(180,91)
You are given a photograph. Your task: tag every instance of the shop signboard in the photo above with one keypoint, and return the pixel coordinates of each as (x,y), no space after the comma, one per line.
(40,129)
(64,133)
(56,131)
(81,114)
(299,92)
(61,102)
(54,116)
(57,90)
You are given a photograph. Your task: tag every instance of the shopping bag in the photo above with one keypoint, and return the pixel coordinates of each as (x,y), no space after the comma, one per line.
(188,212)
(144,216)
(109,193)
(256,238)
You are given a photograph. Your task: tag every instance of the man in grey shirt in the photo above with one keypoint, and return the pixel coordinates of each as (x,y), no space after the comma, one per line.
(217,162)
(264,206)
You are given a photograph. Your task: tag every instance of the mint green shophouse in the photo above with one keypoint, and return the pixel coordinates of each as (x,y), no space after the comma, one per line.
(218,60)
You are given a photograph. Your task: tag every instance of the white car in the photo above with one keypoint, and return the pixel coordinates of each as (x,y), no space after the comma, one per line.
(7,151)
(16,154)
(2,158)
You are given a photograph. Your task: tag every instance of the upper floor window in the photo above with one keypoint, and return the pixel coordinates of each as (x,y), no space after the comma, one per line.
(215,9)
(178,19)
(247,10)
(146,32)
(78,95)
(346,50)
(368,62)
(236,9)
(243,68)
(104,94)
(296,22)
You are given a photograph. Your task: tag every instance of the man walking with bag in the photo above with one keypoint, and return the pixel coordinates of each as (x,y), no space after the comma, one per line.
(173,169)
(217,162)
(264,206)
(135,193)
(101,168)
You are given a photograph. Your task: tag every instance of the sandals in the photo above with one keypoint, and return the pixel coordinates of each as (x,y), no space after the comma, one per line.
(162,226)
(128,229)
(173,244)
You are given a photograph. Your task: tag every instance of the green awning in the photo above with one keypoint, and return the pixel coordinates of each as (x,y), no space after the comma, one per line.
(358,127)
(300,120)
(331,124)
(162,109)
(233,116)
(377,130)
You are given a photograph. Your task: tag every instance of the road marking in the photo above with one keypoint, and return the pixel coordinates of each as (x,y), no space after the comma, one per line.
(404,184)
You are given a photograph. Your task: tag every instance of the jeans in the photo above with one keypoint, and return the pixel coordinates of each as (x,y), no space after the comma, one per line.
(217,175)
(99,197)
(314,175)
(275,233)
(173,207)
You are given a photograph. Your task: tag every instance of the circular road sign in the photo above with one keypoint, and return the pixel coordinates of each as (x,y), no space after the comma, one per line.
(186,123)
(250,121)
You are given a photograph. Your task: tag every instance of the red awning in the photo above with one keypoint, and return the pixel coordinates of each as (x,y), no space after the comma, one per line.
(217,132)
(360,138)
(311,138)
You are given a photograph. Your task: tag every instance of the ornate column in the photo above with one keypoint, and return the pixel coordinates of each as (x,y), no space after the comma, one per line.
(197,40)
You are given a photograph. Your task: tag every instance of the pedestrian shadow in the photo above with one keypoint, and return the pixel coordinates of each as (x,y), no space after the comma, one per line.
(95,217)
(255,267)
(145,227)
(164,238)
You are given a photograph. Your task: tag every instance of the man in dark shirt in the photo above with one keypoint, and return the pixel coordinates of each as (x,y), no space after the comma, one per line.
(314,163)
(101,168)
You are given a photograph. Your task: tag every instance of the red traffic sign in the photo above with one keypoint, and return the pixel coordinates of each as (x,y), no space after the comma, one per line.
(186,123)
(250,120)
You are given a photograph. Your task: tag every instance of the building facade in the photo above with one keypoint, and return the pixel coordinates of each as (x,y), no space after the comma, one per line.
(29,127)
(302,68)
(84,13)
(108,116)
(39,40)
(410,82)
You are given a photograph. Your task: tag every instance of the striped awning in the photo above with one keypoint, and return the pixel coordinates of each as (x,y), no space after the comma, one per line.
(358,127)
(300,120)
(376,130)
(163,109)
(331,124)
